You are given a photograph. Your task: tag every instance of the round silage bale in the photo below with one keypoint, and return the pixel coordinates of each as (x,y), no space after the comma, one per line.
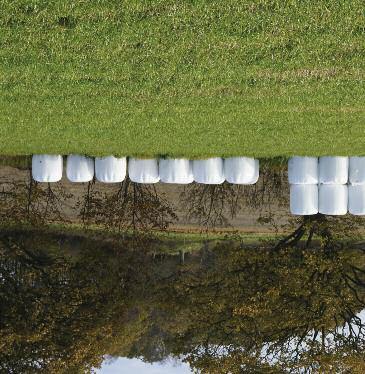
(241,170)
(143,170)
(80,168)
(333,170)
(357,199)
(47,168)
(209,171)
(357,170)
(303,170)
(333,199)
(178,170)
(304,199)
(110,169)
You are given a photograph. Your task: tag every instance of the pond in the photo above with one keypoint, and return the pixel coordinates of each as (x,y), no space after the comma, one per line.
(154,279)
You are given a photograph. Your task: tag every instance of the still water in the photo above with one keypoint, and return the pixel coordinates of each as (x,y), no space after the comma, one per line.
(212,279)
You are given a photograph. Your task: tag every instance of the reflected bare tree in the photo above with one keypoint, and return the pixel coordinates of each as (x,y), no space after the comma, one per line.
(89,204)
(211,206)
(132,206)
(272,189)
(32,202)
(330,232)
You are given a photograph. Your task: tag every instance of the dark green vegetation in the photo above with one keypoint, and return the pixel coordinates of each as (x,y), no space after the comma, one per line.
(193,78)
(270,308)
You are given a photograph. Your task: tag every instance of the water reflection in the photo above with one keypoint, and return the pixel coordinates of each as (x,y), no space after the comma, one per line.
(87,277)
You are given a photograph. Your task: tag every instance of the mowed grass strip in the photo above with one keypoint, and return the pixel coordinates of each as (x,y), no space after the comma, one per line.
(189,78)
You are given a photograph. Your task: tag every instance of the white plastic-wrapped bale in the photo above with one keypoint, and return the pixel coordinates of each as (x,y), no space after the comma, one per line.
(333,170)
(241,170)
(143,170)
(177,170)
(209,171)
(333,199)
(47,168)
(303,170)
(110,169)
(357,200)
(304,199)
(80,168)
(357,170)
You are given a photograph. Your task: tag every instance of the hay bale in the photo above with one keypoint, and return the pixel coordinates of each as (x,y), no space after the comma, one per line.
(80,168)
(177,170)
(333,199)
(357,170)
(47,168)
(209,171)
(333,170)
(143,170)
(304,199)
(357,199)
(110,169)
(241,170)
(303,170)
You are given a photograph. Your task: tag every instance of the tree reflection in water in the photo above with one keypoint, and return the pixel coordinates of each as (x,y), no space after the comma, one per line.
(290,305)
(69,300)
(277,307)
(27,201)
(131,206)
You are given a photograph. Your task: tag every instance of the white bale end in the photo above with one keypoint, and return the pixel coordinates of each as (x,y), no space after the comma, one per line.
(47,168)
(209,171)
(177,170)
(143,170)
(303,170)
(80,168)
(357,170)
(110,169)
(304,199)
(333,199)
(241,170)
(357,200)
(333,170)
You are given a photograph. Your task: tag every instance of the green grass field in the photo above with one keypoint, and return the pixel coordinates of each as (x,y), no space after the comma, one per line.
(182,78)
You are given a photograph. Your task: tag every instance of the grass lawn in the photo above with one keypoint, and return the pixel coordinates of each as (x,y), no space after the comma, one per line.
(182,78)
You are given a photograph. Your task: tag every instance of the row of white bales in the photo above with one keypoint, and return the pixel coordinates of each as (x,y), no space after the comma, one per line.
(110,169)
(327,185)
(316,184)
